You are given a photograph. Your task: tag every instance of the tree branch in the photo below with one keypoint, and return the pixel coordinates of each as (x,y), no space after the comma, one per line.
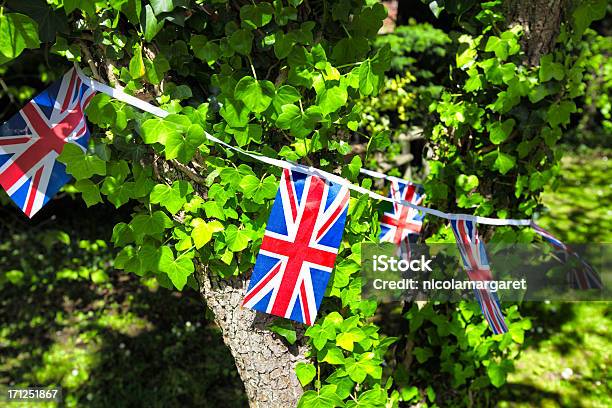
(188,172)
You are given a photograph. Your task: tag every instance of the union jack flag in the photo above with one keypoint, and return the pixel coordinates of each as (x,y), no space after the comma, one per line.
(584,277)
(32,139)
(299,247)
(402,225)
(476,264)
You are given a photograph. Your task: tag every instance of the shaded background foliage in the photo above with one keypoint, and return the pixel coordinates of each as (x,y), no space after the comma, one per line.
(100,332)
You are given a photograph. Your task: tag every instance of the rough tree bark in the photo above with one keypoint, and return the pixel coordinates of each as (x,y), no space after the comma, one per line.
(540,20)
(266,364)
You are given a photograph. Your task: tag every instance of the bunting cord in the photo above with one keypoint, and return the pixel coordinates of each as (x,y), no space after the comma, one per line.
(380,175)
(154,110)
(121,95)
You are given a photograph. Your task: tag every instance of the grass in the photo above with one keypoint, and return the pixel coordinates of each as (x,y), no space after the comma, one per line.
(106,338)
(138,347)
(567,359)
(579,210)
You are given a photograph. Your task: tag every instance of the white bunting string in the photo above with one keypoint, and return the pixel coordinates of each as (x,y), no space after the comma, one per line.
(379,175)
(120,95)
(147,107)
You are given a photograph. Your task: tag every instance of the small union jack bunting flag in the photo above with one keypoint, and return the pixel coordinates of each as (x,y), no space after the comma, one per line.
(299,247)
(32,139)
(584,277)
(402,224)
(476,264)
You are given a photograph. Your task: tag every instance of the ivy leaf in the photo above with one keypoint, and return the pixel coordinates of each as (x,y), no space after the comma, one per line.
(254,16)
(332,99)
(290,116)
(497,373)
(551,135)
(172,198)
(499,131)
(163,6)
(369,21)
(149,256)
(241,41)
(258,190)
(379,141)
(183,145)
(333,355)
(131,8)
(366,364)
(320,335)
(149,23)
(352,170)
(538,93)
(344,270)
(89,191)
(498,46)
(80,165)
(122,235)
(436,8)
(214,210)
(466,55)
(202,231)
(17,32)
(284,328)
(156,69)
(206,51)
(256,95)
(326,397)
(368,81)
(467,183)
(474,83)
(346,340)
(50,22)
(504,162)
(422,354)
(300,124)
(136,66)
(237,240)
(550,69)
(586,12)
(177,269)
(283,45)
(306,372)
(117,191)
(285,95)
(504,45)
(235,113)
(150,224)
(559,113)
(158,130)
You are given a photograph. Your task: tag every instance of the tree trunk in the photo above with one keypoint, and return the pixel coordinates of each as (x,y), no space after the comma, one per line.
(540,20)
(266,363)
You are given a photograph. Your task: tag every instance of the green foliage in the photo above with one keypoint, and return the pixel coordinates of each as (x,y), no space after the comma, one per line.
(418,60)
(595,126)
(504,125)
(456,352)
(79,164)
(17,32)
(269,78)
(301,82)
